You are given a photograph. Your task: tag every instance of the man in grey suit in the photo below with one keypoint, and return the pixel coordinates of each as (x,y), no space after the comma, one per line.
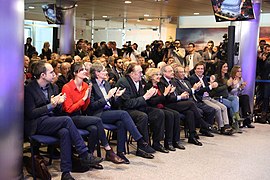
(193,57)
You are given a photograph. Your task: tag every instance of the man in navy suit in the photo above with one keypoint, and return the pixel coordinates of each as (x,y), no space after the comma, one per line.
(104,105)
(202,94)
(42,103)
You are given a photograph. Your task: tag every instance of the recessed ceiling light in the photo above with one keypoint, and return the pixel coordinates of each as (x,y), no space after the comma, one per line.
(149,20)
(128,2)
(76,5)
(31,7)
(138,20)
(104,16)
(196,13)
(146,15)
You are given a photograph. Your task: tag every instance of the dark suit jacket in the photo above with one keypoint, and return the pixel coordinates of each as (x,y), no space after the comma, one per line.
(199,94)
(131,99)
(172,98)
(97,100)
(182,88)
(62,80)
(29,52)
(113,74)
(144,54)
(35,105)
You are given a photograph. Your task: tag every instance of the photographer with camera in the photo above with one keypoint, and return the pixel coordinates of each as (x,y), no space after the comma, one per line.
(178,53)
(130,51)
(157,51)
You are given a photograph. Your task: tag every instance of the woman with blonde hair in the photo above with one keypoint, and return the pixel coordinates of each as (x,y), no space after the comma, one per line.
(172,117)
(46,51)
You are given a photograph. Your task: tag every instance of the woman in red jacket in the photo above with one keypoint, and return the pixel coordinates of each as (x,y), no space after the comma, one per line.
(77,100)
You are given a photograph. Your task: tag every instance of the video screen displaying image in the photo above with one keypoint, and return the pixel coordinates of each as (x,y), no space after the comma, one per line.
(232,10)
(53,14)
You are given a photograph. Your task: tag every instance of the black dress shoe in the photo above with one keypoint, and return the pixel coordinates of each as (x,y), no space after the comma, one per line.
(179,146)
(66,176)
(146,148)
(170,147)
(249,126)
(122,155)
(206,133)
(160,148)
(97,166)
(144,154)
(194,141)
(90,160)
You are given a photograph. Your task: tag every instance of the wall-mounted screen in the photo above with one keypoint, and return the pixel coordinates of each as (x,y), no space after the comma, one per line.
(232,10)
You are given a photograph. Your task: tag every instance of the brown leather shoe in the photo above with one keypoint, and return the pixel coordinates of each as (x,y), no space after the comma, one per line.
(111,156)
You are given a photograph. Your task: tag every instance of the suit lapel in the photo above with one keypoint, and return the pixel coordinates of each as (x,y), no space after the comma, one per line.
(132,85)
(40,93)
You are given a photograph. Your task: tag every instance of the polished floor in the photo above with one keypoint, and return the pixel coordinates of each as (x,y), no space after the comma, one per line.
(239,157)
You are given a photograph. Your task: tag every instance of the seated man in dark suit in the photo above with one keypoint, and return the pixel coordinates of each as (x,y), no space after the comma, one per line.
(134,102)
(117,72)
(63,78)
(184,85)
(104,105)
(179,101)
(42,103)
(203,94)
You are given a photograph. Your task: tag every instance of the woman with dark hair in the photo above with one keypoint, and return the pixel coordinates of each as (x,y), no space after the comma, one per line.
(77,100)
(222,93)
(238,85)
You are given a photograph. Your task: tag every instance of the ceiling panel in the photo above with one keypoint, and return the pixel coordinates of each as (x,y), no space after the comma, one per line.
(117,9)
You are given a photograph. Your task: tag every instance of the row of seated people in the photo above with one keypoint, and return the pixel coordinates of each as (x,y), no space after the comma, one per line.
(161,103)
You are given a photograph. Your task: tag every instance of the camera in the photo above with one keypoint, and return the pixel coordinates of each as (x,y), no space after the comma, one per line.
(223,47)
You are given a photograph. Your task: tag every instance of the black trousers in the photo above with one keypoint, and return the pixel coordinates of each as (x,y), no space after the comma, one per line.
(189,109)
(208,112)
(155,117)
(172,126)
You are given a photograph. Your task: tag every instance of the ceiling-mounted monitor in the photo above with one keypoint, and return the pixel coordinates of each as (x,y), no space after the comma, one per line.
(53,14)
(232,10)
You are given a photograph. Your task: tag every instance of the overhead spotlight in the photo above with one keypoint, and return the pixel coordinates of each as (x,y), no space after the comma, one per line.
(76,5)
(31,7)
(104,16)
(146,15)
(149,19)
(196,13)
(128,2)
